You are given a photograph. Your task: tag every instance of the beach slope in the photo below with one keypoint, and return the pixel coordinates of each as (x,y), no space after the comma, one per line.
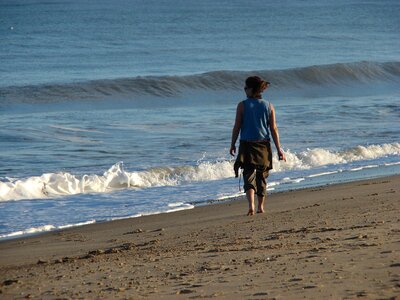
(333,242)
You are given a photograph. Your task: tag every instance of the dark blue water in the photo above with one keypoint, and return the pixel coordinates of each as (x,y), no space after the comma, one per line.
(63,41)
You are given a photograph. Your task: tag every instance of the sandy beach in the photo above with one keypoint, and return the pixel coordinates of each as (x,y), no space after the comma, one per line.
(333,242)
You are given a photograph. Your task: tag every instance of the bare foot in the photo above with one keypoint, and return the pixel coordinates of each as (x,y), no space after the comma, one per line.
(250,212)
(260,211)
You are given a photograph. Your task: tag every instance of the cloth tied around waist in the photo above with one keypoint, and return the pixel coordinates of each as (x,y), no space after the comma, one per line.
(253,154)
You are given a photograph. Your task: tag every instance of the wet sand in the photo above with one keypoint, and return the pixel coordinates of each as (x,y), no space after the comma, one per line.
(333,242)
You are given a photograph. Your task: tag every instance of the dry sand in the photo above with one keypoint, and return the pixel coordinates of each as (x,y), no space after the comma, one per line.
(334,242)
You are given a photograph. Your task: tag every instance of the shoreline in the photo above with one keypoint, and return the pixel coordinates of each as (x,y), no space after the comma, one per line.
(292,188)
(334,241)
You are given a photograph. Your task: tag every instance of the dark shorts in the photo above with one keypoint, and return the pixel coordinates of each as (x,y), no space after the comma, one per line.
(255,177)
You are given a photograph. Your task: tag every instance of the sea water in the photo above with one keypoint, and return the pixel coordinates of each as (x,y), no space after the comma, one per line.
(120,109)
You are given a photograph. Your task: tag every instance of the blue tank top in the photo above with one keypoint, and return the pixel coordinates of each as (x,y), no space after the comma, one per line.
(255,121)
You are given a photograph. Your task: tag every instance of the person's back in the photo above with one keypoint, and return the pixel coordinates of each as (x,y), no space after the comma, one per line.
(255,123)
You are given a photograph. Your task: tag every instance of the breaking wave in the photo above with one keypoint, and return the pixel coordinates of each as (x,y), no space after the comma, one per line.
(340,74)
(52,185)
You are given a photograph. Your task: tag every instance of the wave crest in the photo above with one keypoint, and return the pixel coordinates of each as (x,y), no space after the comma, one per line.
(340,74)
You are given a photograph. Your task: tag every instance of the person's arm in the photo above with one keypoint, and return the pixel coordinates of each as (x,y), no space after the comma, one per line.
(275,134)
(236,128)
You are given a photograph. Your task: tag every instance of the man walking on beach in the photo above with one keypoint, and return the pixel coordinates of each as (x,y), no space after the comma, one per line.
(255,119)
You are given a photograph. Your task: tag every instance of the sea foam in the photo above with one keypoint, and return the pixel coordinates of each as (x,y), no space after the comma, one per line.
(44,228)
(52,185)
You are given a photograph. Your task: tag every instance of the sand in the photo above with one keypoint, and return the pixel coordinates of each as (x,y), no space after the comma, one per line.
(334,242)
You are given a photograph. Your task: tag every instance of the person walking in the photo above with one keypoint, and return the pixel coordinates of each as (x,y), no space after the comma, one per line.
(256,123)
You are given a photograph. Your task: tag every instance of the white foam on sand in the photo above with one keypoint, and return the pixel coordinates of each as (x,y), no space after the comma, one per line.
(44,228)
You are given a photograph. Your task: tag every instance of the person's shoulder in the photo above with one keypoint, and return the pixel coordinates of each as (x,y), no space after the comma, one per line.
(268,105)
(266,102)
(240,105)
(242,102)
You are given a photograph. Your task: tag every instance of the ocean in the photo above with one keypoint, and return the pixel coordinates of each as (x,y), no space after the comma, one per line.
(118,109)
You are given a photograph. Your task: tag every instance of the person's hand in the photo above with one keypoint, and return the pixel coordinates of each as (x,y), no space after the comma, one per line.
(281,155)
(233,150)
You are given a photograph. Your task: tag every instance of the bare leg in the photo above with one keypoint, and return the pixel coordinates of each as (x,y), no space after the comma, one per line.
(260,204)
(250,198)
